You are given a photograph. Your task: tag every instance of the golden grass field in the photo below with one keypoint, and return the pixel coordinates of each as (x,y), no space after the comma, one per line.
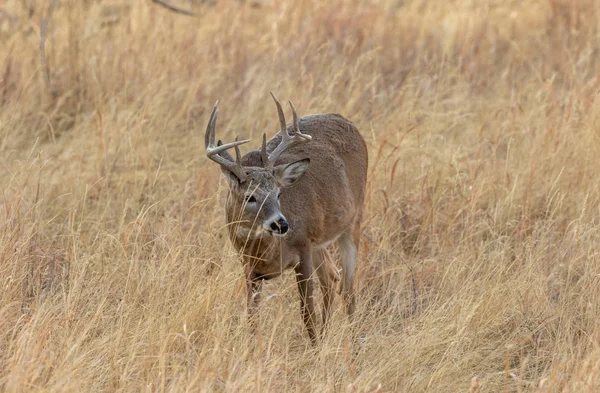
(479,268)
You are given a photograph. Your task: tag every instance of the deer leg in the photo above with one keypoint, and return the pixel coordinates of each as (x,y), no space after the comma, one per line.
(304,271)
(348,245)
(325,268)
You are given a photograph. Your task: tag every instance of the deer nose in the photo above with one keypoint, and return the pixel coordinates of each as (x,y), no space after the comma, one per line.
(280,226)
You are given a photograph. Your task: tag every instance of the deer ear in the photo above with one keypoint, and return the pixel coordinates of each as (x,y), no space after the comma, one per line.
(232,179)
(288,174)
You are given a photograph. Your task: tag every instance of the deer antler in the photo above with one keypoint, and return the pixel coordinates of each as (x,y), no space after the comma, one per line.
(287,140)
(263,152)
(219,152)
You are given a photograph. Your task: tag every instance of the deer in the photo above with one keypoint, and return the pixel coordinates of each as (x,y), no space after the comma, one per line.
(288,201)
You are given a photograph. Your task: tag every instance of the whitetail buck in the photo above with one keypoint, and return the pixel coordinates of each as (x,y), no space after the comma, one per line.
(291,199)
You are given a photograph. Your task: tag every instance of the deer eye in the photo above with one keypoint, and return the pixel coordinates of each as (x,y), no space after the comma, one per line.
(250,199)
(279,195)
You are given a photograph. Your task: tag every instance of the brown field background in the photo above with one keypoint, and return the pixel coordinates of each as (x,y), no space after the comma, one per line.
(479,269)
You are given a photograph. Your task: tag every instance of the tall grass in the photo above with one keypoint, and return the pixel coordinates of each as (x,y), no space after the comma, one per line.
(479,268)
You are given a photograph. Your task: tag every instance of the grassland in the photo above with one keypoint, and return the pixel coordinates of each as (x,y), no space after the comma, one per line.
(479,268)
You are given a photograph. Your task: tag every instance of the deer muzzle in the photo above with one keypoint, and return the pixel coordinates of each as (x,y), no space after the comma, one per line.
(277,226)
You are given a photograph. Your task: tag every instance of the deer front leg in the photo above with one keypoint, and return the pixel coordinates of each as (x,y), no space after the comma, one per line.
(304,271)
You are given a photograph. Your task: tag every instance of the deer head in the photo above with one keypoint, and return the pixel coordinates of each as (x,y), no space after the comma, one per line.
(253,201)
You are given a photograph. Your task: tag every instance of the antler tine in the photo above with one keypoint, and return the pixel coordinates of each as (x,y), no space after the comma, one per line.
(297,124)
(287,140)
(214,152)
(263,152)
(238,155)
(295,118)
(209,135)
(281,115)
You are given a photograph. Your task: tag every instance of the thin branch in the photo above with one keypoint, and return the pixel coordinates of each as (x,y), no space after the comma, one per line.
(173,8)
(43,33)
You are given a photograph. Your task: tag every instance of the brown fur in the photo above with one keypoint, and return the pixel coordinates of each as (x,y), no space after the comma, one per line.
(325,204)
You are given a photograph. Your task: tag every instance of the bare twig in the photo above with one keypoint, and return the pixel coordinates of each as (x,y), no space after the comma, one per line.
(173,8)
(43,33)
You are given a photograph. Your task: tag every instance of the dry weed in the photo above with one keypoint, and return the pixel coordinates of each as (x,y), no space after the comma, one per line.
(480,269)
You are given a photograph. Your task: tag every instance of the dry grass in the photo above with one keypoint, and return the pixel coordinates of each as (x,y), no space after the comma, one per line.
(480,269)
